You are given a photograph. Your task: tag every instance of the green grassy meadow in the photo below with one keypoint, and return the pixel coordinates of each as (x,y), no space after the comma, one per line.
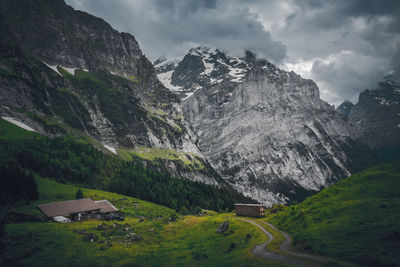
(357,219)
(190,241)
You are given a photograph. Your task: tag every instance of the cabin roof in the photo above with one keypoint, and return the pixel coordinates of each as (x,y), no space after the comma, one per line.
(249,205)
(66,208)
(105,206)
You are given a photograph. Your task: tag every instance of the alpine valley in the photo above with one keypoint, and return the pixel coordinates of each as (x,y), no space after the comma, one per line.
(93,133)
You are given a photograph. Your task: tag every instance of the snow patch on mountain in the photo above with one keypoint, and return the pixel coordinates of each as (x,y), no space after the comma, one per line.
(69,70)
(165,79)
(165,69)
(110,149)
(209,67)
(19,124)
(53,67)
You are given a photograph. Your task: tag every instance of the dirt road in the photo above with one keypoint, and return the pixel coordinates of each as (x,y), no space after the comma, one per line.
(298,259)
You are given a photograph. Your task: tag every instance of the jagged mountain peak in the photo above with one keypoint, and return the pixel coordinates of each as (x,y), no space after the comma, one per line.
(201,50)
(387,93)
(203,67)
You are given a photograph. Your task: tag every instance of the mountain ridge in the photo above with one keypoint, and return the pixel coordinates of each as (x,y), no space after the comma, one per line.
(265,130)
(377,115)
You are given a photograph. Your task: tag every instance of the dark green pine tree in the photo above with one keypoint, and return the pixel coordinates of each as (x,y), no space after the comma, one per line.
(79,194)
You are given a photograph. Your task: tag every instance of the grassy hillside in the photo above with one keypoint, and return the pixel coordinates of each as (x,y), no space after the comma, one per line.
(190,241)
(357,219)
(50,191)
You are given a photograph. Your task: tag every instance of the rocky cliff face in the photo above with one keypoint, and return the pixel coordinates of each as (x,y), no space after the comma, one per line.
(265,130)
(58,34)
(376,116)
(345,108)
(65,71)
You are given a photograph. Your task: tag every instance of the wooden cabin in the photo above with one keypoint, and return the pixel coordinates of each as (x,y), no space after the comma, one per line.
(252,210)
(80,210)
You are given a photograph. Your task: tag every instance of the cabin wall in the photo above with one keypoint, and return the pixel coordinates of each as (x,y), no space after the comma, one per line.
(252,211)
(115,215)
(84,216)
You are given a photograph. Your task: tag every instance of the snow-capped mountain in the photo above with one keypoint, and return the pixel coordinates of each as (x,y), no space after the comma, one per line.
(201,67)
(265,130)
(376,116)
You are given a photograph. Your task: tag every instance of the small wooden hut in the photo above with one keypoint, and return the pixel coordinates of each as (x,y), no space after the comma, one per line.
(253,210)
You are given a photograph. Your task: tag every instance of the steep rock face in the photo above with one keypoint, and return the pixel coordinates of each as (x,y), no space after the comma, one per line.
(376,116)
(64,71)
(265,130)
(345,108)
(57,34)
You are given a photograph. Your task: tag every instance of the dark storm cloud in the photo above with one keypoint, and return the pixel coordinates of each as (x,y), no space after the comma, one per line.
(172,27)
(186,7)
(352,44)
(370,7)
(332,14)
(349,73)
(344,45)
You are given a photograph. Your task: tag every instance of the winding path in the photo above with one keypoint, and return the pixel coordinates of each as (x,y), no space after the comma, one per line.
(302,259)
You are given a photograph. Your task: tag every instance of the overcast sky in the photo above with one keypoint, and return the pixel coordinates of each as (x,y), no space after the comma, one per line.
(345,46)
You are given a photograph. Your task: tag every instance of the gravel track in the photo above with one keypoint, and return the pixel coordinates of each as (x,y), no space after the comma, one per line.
(299,259)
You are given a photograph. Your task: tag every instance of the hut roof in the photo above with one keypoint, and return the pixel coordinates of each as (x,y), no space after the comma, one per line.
(66,208)
(249,205)
(106,206)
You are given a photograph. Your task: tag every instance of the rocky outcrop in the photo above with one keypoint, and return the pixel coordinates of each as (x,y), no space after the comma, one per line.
(58,34)
(376,116)
(265,130)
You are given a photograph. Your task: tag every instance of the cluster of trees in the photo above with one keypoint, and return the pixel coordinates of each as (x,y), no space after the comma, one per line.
(62,158)
(16,185)
(179,194)
(67,160)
